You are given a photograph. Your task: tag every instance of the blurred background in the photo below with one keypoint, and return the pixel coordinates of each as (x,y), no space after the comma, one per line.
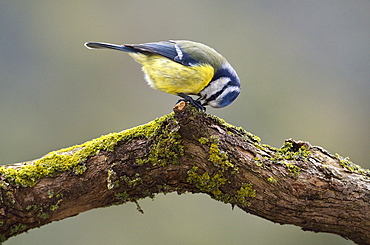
(304,67)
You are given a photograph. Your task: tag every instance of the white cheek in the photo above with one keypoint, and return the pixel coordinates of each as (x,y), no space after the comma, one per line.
(217,102)
(214,87)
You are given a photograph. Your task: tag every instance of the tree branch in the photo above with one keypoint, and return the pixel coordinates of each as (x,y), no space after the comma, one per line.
(190,151)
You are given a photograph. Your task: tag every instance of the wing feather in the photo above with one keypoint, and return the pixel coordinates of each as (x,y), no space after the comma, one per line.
(168,49)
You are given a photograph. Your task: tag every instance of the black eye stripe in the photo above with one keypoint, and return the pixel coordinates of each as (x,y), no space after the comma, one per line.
(218,93)
(213,97)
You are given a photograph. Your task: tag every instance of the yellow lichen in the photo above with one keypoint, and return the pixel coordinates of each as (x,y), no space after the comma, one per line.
(290,153)
(217,156)
(258,161)
(206,183)
(350,166)
(272,180)
(246,190)
(71,158)
(203,140)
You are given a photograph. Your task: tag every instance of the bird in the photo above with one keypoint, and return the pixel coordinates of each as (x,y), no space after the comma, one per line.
(184,68)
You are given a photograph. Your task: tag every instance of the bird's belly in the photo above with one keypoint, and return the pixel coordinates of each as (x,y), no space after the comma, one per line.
(171,77)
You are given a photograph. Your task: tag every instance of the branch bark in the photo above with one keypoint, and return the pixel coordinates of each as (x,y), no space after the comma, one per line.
(190,151)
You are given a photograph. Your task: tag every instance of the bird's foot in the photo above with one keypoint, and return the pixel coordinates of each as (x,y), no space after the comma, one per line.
(196,103)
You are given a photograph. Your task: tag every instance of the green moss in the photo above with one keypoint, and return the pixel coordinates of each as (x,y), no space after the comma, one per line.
(257,161)
(272,180)
(71,158)
(203,140)
(264,147)
(38,210)
(211,185)
(54,207)
(206,183)
(3,184)
(122,198)
(10,197)
(166,146)
(164,189)
(2,239)
(350,166)
(258,146)
(50,194)
(231,129)
(132,181)
(218,157)
(15,229)
(80,169)
(290,152)
(43,215)
(28,208)
(292,168)
(166,149)
(140,162)
(246,191)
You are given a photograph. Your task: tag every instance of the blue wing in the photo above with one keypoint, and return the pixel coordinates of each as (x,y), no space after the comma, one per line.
(168,49)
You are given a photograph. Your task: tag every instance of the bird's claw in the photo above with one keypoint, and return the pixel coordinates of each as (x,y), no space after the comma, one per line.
(196,103)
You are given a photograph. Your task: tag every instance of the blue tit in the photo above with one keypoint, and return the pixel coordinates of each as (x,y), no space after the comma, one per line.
(184,68)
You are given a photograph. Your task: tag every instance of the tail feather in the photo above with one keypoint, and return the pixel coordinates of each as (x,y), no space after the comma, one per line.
(94,45)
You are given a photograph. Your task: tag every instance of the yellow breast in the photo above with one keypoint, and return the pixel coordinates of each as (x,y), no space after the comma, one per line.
(171,77)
